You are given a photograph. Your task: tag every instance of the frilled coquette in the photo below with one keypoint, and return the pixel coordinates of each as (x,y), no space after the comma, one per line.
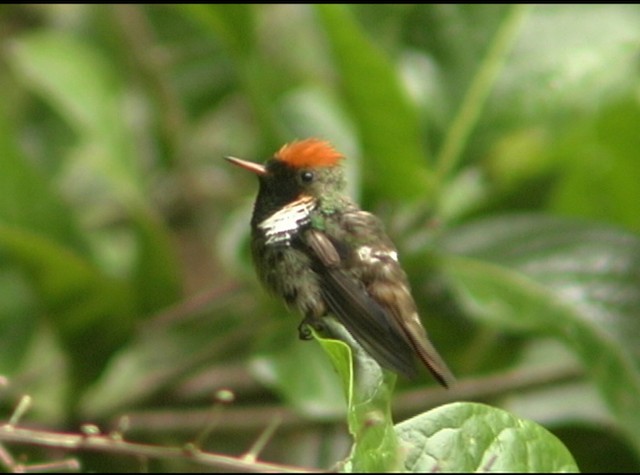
(315,248)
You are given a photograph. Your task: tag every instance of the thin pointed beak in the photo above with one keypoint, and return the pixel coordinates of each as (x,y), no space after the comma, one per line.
(256,168)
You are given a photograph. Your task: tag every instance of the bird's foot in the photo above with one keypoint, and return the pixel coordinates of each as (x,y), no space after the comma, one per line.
(307,323)
(304,330)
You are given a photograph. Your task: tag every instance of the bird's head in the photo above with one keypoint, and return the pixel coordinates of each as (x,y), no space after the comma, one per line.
(300,169)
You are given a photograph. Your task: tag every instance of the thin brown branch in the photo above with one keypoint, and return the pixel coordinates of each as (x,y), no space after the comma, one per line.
(191,306)
(235,376)
(480,389)
(57,466)
(405,404)
(108,444)
(234,418)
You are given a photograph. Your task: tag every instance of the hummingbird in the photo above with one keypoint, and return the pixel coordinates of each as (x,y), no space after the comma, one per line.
(316,249)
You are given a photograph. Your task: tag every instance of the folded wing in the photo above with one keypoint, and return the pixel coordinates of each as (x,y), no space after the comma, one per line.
(365,319)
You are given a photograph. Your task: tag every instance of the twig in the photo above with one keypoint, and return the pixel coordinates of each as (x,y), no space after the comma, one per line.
(23,406)
(191,306)
(106,444)
(235,419)
(262,440)
(406,403)
(478,389)
(223,396)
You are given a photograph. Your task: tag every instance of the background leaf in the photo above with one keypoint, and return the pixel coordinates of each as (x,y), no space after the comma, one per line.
(27,200)
(386,120)
(82,86)
(90,311)
(574,280)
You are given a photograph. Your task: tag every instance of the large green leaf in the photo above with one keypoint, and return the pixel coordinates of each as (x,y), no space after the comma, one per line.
(156,272)
(161,354)
(91,312)
(28,203)
(574,280)
(234,25)
(471,437)
(554,69)
(600,159)
(27,200)
(85,90)
(18,319)
(388,123)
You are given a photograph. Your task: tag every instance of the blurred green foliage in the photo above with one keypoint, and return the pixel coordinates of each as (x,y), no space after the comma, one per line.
(499,144)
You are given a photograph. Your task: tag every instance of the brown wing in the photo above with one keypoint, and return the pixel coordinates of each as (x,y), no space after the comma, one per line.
(368,322)
(380,312)
(397,300)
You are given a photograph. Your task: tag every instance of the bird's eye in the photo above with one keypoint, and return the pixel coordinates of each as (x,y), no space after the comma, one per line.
(306,177)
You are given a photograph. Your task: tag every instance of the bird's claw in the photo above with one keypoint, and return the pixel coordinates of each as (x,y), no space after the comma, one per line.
(304,330)
(308,323)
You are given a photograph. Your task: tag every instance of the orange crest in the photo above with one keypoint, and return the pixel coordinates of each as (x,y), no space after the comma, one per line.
(309,153)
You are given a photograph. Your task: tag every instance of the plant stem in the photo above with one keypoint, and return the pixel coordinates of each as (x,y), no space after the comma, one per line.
(475,98)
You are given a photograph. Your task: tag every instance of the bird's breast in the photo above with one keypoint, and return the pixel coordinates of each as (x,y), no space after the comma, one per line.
(283,224)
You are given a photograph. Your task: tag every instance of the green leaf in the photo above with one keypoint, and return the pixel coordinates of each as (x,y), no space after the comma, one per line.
(369,389)
(553,70)
(92,313)
(18,319)
(388,123)
(600,161)
(234,24)
(471,437)
(341,357)
(574,280)
(475,97)
(85,90)
(156,276)
(164,354)
(28,203)
(27,200)
(298,370)
(48,382)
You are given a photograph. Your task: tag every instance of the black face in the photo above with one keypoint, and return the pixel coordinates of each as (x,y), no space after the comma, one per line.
(282,184)
(279,186)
